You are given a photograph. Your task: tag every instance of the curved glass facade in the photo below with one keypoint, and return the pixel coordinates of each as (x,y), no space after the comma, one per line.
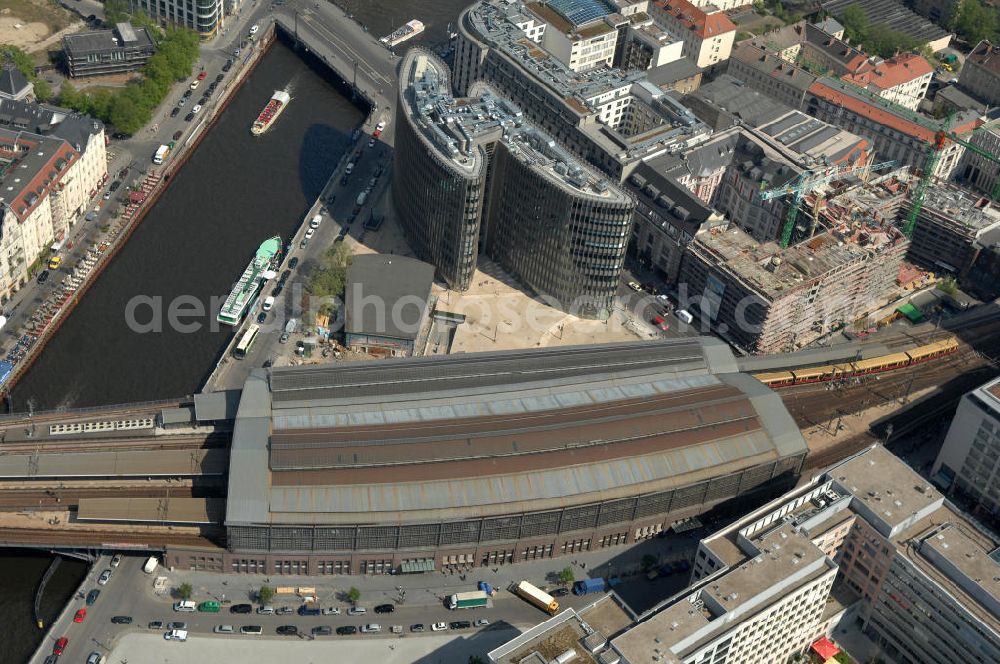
(565,244)
(438,201)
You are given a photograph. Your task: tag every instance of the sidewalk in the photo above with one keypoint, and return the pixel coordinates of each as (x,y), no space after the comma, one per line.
(429,589)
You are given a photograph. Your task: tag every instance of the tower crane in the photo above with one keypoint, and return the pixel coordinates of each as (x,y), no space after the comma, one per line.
(807,181)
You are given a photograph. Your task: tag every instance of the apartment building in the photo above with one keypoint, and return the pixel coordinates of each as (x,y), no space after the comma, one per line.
(902,79)
(952,229)
(895,134)
(768,299)
(770,74)
(606,116)
(975,170)
(969,461)
(511,193)
(203,16)
(51,165)
(647,45)
(575,32)
(980,74)
(866,542)
(706,30)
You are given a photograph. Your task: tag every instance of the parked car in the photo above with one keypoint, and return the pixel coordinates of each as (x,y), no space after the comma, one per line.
(60,645)
(385,608)
(660,322)
(287,630)
(284,611)
(322,630)
(224,629)
(380,126)
(293,262)
(241,608)
(252,630)
(178,134)
(114,185)
(419,627)
(481,622)
(175,111)
(121,620)
(197,107)
(194,84)
(81,614)
(155,624)
(439,627)
(371,142)
(635,286)
(182,101)
(560,592)
(219,78)
(347,629)
(202,74)
(189,117)
(283,339)
(310,232)
(357,611)
(229,65)
(460,624)
(94,658)
(43,276)
(261,317)
(371,628)
(306,610)
(116,560)
(105,577)
(176,635)
(187,93)
(331,610)
(177,625)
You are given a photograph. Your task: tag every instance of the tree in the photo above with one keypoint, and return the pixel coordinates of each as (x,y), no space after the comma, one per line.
(69,96)
(43,91)
(115,11)
(21,60)
(185,591)
(265,594)
(855,22)
(974,22)
(566,576)
(353,595)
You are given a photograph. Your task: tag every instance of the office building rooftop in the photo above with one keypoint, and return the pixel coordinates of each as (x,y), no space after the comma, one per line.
(456,127)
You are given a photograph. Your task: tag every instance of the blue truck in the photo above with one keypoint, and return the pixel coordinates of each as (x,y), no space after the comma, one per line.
(589,586)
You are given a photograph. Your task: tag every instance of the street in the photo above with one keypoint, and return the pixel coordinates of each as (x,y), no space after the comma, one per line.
(417,598)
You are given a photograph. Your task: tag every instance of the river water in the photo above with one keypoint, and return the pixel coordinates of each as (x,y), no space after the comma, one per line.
(19,576)
(233,193)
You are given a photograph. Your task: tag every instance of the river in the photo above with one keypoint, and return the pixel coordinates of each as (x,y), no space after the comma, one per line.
(233,193)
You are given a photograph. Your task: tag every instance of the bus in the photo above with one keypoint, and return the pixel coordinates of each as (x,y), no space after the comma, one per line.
(246,341)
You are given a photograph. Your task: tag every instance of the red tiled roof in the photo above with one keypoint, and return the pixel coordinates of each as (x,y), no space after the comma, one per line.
(876,114)
(894,71)
(825,648)
(694,18)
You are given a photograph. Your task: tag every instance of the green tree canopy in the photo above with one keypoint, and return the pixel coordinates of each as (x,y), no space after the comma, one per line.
(353,595)
(855,22)
(975,21)
(566,576)
(265,594)
(185,591)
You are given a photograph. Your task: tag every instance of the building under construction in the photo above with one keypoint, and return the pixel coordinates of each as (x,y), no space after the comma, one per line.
(768,299)
(954,229)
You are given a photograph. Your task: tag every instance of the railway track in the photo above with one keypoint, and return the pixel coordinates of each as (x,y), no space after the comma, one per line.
(101,539)
(122,411)
(50,446)
(13,499)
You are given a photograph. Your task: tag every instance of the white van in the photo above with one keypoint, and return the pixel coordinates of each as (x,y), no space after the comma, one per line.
(151,564)
(224,629)
(371,628)
(266,610)
(316,221)
(684,316)
(185,607)
(268,303)
(176,635)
